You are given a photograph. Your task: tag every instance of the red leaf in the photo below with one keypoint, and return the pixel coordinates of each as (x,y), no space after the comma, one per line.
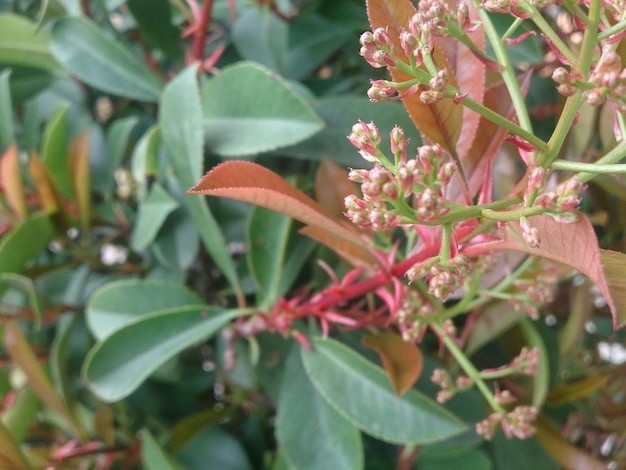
(614,269)
(249,182)
(353,254)
(573,244)
(439,122)
(403,361)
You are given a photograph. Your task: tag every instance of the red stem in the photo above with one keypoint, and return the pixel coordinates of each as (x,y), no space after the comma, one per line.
(199,37)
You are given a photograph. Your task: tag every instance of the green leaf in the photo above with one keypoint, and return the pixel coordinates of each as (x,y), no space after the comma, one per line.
(260,36)
(214,449)
(116,144)
(177,243)
(7,133)
(11,455)
(25,285)
(268,235)
(263,114)
(96,59)
(21,43)
(20,416)
(360,391)
(180,120)
(119,303)
(115,367)
(467,459)
(152,214)
(54,151)
(24,241)
(28,81)
(541,380)
(326,436)
(144,161)
(154,21)
(153,457)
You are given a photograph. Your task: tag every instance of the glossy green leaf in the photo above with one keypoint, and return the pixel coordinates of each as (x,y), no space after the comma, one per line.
(59,359)
(153,457)
(155,25)
(119,303)
(7,133)
(180,120)
(177,243)
(326,437)
(117,365)
(263,114)
(93,57)
(152,213)
(19,417)
(26,82)
(144,161)
(190,426)
(24,241)
(54,151)
(117,141)
(21,43)
(361,392)
(513,454)
(467,459)
(260,36)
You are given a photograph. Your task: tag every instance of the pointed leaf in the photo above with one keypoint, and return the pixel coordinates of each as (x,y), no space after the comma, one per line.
(151,216)
(180,124)
(402,360)
(439,122)
(49,196)
(326,436)
(153,457)
(249,182)
(575,245)
(25,241)
(119,303)
(361,393)
(78,162)
(54,150)
(115,367)
(96,59)
(353,254)
(263,114)
(22,43)
(12,183)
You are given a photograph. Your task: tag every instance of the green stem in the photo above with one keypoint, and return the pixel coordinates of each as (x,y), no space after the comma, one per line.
(444,250)
(615,155)
(572,104)
(580,167)
(468,368)
(615,29)
(547,30)
(516,24)
(511,216)
(508,72)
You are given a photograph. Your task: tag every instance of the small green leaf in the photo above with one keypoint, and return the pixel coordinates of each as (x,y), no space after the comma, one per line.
(326,436)
(96,59)
(180,121)
(26,285)
(54,150)
(360,391)
(24,241)
(154,21)
(21,43)
(144,161)
(115,367)
(117,141)
(152,213)
(177,243)
(262,114)
(260,36)
(11,455)
(119,303)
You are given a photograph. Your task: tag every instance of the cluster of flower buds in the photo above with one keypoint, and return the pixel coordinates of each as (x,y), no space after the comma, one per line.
(376,48)
(607,81)
(526,362)
(517,423)
(563,201)
(413,315)
(448,387)
(443,278)
(617,8)
(535,294)
(423,177)
(436,88)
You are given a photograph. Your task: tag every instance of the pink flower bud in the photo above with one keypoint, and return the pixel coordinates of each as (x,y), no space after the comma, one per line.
(530,234)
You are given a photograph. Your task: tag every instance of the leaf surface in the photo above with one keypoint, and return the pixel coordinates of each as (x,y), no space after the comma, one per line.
(12,183)
(22,43)
(122,302)
(361,392)
(326,437)
(115,367)
(264,114)
(332,186)
(93,57)
(151,216)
